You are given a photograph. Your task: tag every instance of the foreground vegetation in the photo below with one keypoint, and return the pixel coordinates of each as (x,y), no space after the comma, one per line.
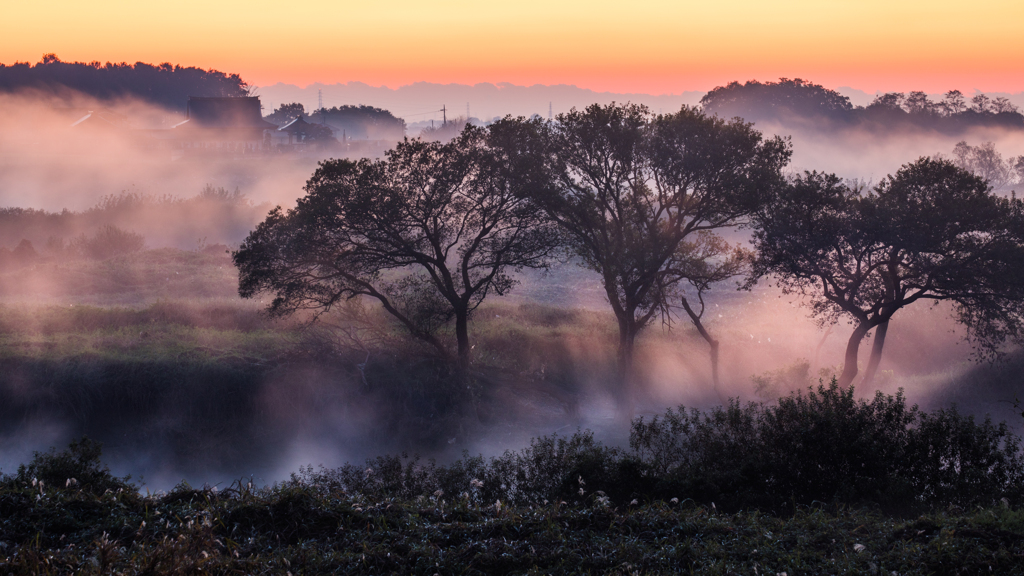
(818,483)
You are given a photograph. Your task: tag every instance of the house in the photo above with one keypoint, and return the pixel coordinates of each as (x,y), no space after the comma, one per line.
(299,132)
(229,125)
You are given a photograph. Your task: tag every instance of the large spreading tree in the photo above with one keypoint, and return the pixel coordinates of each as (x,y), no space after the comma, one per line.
(635,192)
(428,232)
(930,232)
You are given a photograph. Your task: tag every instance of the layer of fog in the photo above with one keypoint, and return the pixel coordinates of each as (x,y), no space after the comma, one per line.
(45,163)
(870,154)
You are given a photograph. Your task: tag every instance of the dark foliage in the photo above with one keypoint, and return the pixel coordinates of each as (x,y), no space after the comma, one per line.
(78,466)
(164,85)
(285,113)
(428,233)
(800,99)
(820,446)
(771,100)
(826,446)
(641,198)
(543,509)
(361,122)
(867,255)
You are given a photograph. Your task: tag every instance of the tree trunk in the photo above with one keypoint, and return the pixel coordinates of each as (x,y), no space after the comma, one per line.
(817,349)
(627,377)
(876,352)
(462,337)
(695,318)
(850,365)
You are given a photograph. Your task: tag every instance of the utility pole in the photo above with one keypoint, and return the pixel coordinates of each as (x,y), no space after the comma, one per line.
(320,104)
(444,116)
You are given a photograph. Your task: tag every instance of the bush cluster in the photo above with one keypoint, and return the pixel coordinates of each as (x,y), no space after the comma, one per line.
(820,446)
(560,505)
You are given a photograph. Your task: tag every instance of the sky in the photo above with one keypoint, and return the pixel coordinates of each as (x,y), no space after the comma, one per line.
(641,46)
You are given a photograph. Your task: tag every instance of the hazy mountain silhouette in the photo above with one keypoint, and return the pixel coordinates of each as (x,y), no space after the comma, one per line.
(423,100)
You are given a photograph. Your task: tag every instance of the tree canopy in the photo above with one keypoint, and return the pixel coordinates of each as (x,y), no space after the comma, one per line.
(285,113)
(638,194)
(428,232)
(930,232)
(755,100)
(361,122)
(795,99)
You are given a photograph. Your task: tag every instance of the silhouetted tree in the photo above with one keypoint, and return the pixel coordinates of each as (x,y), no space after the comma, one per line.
(888,101)
(1002,105)
(761,101)
(703,261)
(981,104)
(634,192)
(986,162)
(361,122)
(954,102)
(286,113)
(428,232)
(930,232)
(918,103)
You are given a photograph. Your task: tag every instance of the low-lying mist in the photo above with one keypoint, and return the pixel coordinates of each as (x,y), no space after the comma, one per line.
(69,154)
(150,350)
(211,389)
(871,152)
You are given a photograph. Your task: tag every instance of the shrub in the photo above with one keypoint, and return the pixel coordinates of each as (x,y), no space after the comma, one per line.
(826,446)
(77,466)
(822,445)
(110,241)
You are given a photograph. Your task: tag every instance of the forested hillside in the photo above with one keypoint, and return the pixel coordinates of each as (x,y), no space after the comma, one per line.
(164,84)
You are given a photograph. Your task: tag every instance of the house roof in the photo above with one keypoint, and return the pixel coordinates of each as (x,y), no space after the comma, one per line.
(299,126)
(232,112)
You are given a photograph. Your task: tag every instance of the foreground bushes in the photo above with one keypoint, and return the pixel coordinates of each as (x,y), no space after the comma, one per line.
(395,516)
(826,446)
(822,446)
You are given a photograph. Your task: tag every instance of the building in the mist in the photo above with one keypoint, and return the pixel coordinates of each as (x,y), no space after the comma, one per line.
(297,133)
(231,125)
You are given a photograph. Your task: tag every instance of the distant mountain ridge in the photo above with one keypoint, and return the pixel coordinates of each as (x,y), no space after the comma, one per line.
(423,101)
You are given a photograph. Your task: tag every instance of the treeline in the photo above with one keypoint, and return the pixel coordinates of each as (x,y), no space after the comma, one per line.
(797,98)
(351,122)
(985,161)
(165,85)
(361,122)
(643,200)
(121,223)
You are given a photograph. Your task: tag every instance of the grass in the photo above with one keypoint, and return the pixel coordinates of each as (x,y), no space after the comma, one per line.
(130,279)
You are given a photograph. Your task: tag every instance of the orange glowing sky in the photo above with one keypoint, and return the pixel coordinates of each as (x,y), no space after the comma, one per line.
(645,46)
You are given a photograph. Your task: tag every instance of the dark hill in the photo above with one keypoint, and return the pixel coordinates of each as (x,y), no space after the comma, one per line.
(797,99)
(165,85)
